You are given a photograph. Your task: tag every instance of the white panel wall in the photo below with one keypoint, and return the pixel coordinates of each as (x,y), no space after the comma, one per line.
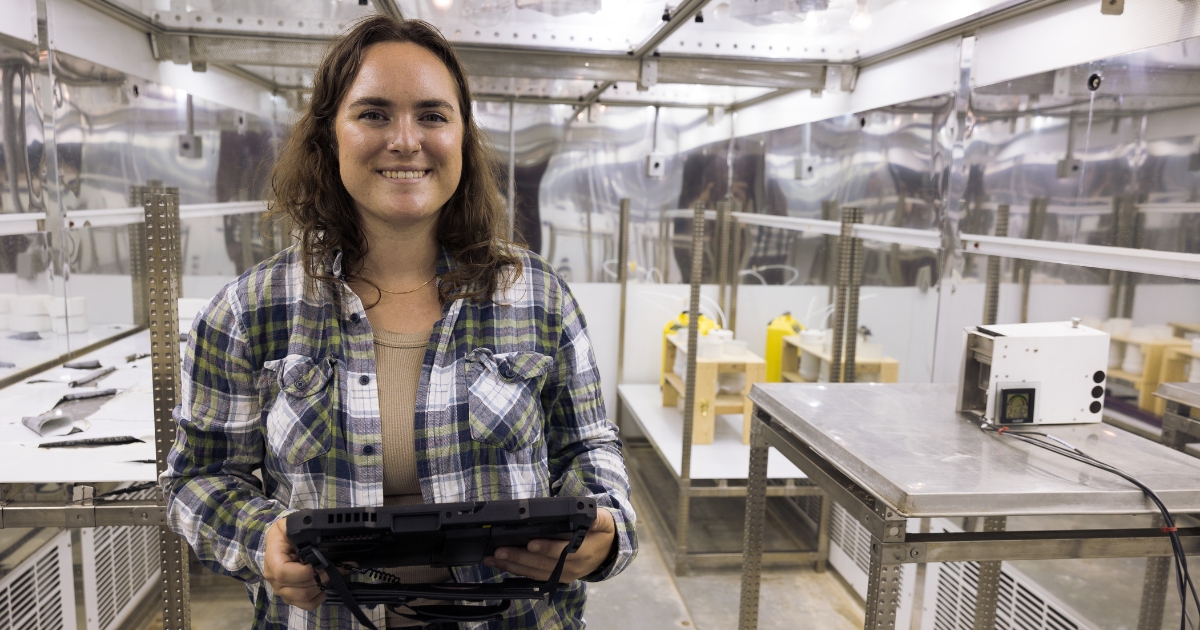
(20,19)
(88,34)
(1074,32)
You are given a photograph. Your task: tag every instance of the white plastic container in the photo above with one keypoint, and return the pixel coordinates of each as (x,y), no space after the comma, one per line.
(810,365)
(4,321)
(30,305)
(734,349)
(1135,361)
(6,302)
(1118,326)
(72,325)
(29,323)
(70,307)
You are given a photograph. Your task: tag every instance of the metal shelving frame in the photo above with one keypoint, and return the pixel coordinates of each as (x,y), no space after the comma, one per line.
(677,538)
(74,506)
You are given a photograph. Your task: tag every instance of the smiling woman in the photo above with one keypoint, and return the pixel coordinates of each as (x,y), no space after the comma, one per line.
(403,351)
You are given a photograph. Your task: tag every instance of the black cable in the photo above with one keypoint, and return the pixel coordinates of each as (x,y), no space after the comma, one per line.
(1183,579)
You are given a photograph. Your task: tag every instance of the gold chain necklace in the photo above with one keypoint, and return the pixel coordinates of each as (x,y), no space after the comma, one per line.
(410,290)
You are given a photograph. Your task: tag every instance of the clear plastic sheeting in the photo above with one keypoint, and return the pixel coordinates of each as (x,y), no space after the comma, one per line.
(332,10)
(835,30)
(587,25)
(1117,165)
(584,166)
(890,162)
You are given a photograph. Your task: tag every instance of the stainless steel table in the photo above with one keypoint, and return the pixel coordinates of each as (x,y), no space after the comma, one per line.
(888,453)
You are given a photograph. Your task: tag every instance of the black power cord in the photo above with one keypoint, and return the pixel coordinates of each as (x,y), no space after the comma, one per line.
(1183,579)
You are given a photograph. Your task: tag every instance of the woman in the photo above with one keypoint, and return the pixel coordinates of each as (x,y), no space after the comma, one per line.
(402,351)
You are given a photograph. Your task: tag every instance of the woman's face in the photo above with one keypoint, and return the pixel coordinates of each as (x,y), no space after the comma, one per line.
(400,135)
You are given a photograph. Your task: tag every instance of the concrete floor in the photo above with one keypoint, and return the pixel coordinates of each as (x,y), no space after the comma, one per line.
(645,597)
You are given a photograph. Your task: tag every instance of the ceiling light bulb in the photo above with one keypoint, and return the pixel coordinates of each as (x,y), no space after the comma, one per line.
(443,4)
(861,20)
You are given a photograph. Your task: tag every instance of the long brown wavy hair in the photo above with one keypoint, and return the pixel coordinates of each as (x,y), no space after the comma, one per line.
(307,190)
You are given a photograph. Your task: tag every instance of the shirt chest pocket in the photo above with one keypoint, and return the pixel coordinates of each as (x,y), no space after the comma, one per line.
(504,400)
(300,420)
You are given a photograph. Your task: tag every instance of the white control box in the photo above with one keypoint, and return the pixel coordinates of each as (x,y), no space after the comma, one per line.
(1043,373)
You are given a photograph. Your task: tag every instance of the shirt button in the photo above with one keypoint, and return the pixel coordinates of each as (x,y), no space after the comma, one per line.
(354,317)
(368,450)
(364,380)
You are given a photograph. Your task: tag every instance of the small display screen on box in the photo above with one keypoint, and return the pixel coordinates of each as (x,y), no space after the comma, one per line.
(1016,406)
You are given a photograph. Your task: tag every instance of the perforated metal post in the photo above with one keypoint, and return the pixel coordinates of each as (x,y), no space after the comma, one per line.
(850,216)
(162,264)
(852,290)
(689,393)
(991,300)
(756,513)
(1154,588)
(883,590)
(1037,221)
(987,589)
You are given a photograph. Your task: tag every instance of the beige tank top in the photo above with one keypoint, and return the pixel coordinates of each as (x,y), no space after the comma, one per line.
(399,358)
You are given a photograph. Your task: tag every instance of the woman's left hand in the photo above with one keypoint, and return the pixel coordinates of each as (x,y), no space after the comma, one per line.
(539,557)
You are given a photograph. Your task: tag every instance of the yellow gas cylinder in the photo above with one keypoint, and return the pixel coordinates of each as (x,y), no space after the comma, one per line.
(779,328)
(679,325)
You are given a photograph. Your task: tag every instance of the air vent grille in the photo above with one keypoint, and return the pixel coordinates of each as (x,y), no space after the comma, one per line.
(855,541)
(32,595)
(1019,604)
(120,565)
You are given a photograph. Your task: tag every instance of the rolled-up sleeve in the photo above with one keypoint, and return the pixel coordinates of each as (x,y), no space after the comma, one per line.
(214,499)
(582,444)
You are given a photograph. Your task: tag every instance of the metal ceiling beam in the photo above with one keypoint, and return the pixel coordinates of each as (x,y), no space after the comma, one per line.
(558,100)
(683,13)
(751,102)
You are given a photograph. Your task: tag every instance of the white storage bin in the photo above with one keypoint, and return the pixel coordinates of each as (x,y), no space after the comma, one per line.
(29,323)
(69,307)
(31,305)
(72,325)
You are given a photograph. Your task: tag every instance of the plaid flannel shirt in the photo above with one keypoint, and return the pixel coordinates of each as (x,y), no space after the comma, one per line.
(282,379)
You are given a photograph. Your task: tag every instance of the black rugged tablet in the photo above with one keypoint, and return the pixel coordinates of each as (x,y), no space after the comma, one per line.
(441,535)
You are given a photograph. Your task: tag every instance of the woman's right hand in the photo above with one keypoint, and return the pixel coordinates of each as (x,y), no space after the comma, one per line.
(293,581)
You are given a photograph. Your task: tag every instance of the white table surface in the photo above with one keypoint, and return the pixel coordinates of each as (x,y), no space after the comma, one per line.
(130,412)
(725,458)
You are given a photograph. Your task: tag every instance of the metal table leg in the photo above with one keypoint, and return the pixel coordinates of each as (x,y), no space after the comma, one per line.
(756,509)
(988,588)
(883,589)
